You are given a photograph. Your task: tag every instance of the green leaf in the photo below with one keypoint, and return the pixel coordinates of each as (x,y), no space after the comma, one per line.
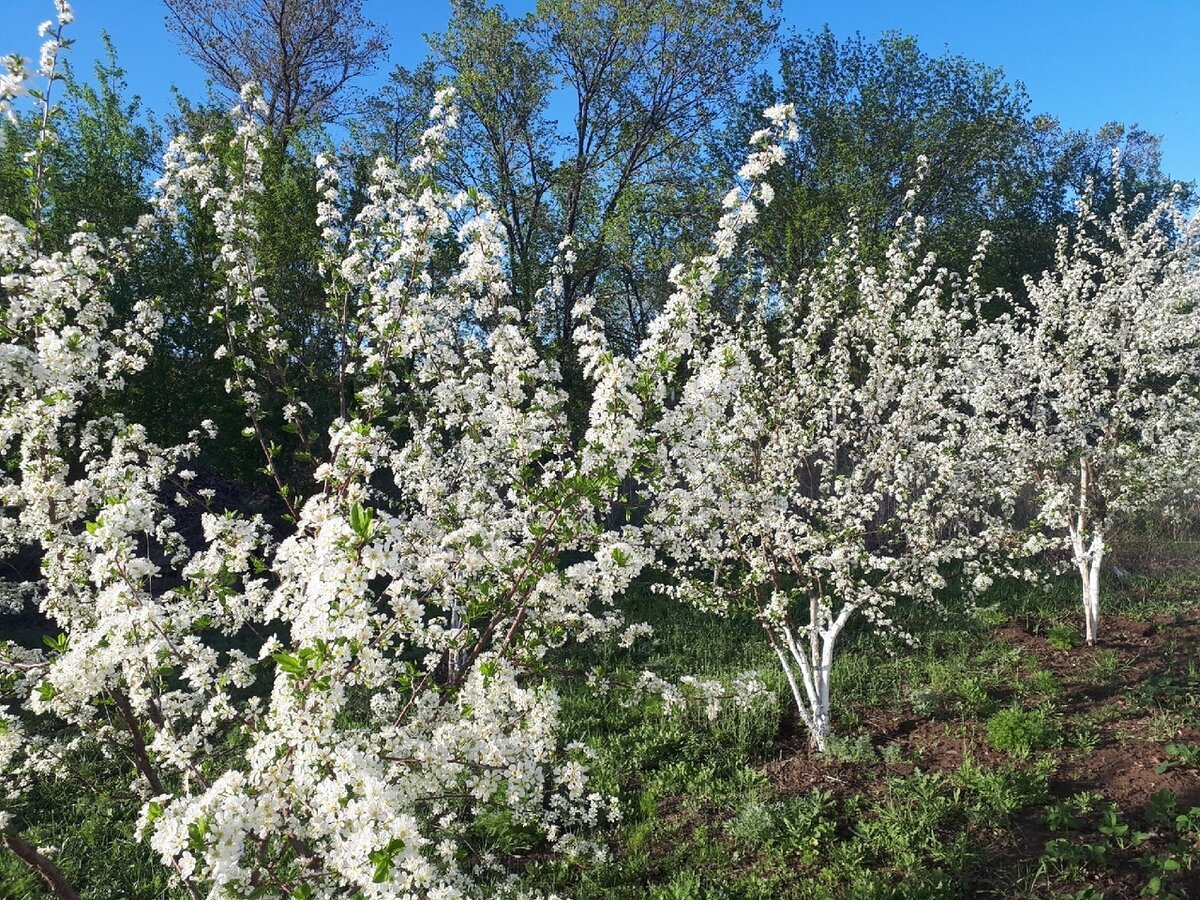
(197,831)
(290,664)
(383,858)
(360,520)
(57,644)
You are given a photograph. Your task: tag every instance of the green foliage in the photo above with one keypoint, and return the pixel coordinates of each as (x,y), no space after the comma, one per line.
(1063,637)
(868,109)
(1021,731)
(1106,665)
(1180,756)
(1168,689)
(997,794)
(973,697)
(90,801)
(851,749)
(754,823)
(1108,841)
(1161,807)
(807,825)
(1046,684)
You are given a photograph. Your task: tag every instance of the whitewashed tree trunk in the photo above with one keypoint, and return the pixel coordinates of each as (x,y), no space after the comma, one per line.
(1088,555)
(808,670)
(1091,588)
(814,637)
(1088,559)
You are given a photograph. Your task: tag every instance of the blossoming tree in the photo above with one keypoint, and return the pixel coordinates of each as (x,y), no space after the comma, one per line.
(1109,387)
(830,451)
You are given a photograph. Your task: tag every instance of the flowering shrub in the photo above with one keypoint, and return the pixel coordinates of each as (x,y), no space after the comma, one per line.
(329,708)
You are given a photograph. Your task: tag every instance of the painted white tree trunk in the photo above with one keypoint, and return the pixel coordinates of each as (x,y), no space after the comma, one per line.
(808,671)
(1088,559)
(1088,555)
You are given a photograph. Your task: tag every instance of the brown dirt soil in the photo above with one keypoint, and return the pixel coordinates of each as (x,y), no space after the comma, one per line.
(1108,689)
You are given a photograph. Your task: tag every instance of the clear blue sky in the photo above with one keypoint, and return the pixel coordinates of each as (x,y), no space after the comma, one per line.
(1085,61)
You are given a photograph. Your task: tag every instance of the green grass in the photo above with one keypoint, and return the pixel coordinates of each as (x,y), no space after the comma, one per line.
(735,807)
(88,818)
(698,823)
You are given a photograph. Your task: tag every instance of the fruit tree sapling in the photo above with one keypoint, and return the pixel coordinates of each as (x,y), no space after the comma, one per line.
(1110,363)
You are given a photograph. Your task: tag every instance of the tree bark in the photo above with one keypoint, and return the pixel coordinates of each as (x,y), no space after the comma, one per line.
(43,866)
(139,753)
(808,671)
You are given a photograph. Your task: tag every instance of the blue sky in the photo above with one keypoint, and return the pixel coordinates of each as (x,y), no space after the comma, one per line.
(1085,61)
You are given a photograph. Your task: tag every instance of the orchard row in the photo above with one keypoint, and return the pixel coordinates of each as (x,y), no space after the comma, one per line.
(325,703)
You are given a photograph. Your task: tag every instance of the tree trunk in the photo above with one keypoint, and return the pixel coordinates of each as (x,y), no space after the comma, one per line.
(808,670)
(1088,560)
(814,638)
(1091,599)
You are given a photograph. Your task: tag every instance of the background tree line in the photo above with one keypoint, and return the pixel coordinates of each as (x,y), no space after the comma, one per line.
(606,121)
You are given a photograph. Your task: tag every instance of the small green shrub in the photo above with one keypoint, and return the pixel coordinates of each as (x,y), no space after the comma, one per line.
(1084,736)
(973,697)
(996,794)
(1162,807)
(808,824)
(852,750)
(1021,731)
(1180,756)
(1062,637)
(1106,666)
(753,824)
(927,702)
(1046,684)
(991,616)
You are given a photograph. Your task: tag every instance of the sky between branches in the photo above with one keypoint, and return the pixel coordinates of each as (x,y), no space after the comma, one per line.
(1086,62)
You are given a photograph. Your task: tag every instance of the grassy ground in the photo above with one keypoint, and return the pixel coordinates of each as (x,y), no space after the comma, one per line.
(998,759)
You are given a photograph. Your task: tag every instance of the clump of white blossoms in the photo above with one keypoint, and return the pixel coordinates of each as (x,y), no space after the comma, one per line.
(409,604)
(1108,390)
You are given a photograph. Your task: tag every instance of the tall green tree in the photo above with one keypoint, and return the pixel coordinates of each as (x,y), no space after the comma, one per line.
(589,119)
(867,110)
(96,168)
